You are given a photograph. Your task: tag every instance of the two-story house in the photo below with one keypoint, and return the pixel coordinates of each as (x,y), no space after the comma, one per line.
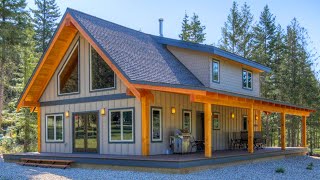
(107,89)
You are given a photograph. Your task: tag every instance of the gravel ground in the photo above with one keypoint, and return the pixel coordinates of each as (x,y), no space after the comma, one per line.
(295,168)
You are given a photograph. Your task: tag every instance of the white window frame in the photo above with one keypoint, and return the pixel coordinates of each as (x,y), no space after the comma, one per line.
(187,112)
(77,45)
(160,113)
(54,128)
(247,82)
(90,72)
(121,124)
(218,62)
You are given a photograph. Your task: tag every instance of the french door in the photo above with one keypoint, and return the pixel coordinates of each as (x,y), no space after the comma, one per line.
(85,132)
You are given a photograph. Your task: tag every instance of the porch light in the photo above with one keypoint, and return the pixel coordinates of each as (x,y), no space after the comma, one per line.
(232,115)
(67,113)
(173,110)
(256,117)
(102,111)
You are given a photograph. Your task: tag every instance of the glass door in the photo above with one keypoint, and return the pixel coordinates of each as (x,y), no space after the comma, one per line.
(85,132)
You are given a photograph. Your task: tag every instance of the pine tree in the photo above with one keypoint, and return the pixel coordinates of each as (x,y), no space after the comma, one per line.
(193,31)
(45,17)
(245,46)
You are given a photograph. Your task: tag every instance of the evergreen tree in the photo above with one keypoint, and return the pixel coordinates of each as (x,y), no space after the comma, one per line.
(245,46)
(193,31)
(45,22)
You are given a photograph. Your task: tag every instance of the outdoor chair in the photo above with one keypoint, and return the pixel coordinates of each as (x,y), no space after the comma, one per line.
(198,145)
(244,139)
(236,140)
(259,141)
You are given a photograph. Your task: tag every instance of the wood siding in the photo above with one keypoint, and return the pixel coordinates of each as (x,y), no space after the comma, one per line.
(199,64)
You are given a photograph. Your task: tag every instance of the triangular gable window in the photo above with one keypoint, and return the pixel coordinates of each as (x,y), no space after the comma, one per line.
(102,76)
(68,78)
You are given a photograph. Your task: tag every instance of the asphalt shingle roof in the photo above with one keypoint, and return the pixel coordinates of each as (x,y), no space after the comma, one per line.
(137,55)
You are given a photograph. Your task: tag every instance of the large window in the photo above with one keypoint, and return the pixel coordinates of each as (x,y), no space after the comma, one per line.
(54,128)
(246,79)
(156,124)
(186,120)
(101,75)
(68,78)
(215,71)
(215,121)
(121,125)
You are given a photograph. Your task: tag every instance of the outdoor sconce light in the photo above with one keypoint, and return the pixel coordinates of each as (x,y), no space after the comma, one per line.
(256,117)
(173,110)
(67,113)
(232,115)
(102,111)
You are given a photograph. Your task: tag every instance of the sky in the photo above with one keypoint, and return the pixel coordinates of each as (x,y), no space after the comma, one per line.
(144,14)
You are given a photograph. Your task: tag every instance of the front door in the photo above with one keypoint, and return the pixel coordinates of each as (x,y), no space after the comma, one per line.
(85,132)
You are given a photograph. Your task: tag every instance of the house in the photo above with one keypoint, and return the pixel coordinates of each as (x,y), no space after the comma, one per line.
(107,89)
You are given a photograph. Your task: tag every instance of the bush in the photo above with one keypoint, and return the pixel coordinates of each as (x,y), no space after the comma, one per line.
(310,166)
(280,170)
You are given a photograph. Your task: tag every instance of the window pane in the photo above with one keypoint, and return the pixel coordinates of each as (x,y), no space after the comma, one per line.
(92,130)
(127,125)
(215,120)
(59,128)
(215,71)
(69,77)
(249,80)
(186,124)
(115,125)
(244,123)
(50,127)
(244,78)
(102,75)
(156,125)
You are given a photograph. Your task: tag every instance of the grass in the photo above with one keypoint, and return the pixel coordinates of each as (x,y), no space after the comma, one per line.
(310,166)
(280,170)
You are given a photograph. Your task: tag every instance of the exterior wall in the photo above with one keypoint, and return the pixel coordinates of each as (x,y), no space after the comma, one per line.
(199,64)
(51,95)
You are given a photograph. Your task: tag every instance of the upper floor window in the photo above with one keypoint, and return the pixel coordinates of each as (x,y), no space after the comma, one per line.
(246,79)
(68,78)
(101,75)
(215,71)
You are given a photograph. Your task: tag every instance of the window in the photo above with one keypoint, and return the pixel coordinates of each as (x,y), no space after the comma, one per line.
(246,79)
(245,123)
(186,121)
(156,124)
(215,71)
(121,125)
(68,78)
(215,121)
(101,75)
(54,127)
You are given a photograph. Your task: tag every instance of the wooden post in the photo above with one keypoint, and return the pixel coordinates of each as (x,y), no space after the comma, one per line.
(259,120)
(145,125)
(39,128)
(250,130)
(283,131)
(208,129)
(304,132)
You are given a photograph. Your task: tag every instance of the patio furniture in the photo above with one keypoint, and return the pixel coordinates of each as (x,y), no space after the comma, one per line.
(259,141)
(244,139)
(198,145)
(236,140)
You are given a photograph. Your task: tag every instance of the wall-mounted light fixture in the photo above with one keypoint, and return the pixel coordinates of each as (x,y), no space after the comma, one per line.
(67,113)
(256,117)
(102,111)
(232,115)
(173,110)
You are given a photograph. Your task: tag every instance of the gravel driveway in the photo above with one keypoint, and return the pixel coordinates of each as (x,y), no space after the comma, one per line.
(295,168)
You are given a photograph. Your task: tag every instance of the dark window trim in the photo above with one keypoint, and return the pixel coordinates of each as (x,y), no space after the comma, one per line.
(98,133)
(191,119)
(218,61)
(246,88)
(63,66)
(161,124)
(46,129)
(133,126)
(213,113)
(90,75)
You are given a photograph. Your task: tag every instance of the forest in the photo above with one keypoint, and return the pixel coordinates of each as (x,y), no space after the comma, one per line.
(25,34)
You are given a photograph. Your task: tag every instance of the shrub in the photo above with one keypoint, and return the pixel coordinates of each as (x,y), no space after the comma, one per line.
(310,166)
(280,170)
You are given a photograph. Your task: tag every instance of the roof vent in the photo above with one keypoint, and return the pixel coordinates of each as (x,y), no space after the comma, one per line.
(161,27)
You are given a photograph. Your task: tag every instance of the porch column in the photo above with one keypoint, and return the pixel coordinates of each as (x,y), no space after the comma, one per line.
(259,123)
(145,126)
(250,129)
(304,132)
(283,131)
(39,128)
(207,130)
